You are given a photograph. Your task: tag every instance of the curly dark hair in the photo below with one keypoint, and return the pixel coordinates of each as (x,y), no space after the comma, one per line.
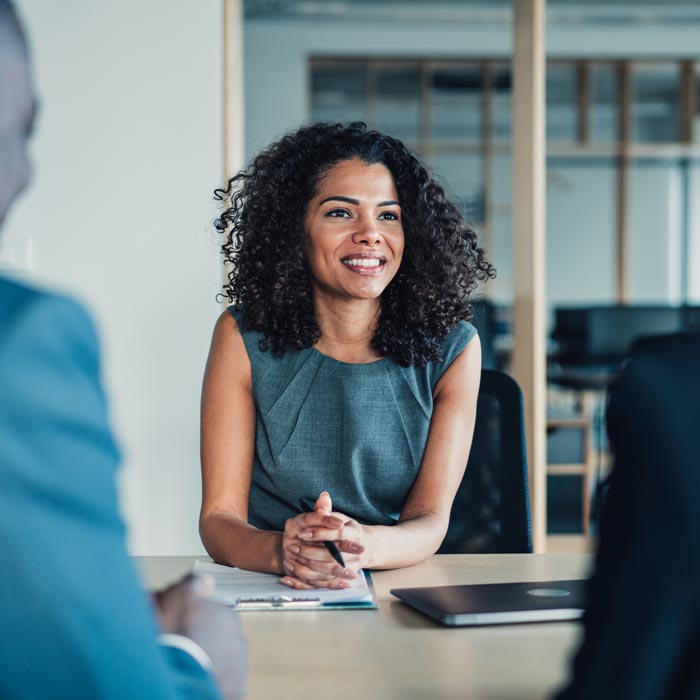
(269,279)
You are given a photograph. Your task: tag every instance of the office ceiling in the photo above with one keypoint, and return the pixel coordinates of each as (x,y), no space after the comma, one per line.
(484,11)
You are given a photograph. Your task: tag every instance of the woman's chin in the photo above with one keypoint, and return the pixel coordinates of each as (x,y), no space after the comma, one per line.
(367,288)
(367,294)
(355,292)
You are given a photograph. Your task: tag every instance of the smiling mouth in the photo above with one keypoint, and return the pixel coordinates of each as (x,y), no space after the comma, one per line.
(364,265)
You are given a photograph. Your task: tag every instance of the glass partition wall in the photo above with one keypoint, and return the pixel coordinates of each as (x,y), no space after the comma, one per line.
(623,152)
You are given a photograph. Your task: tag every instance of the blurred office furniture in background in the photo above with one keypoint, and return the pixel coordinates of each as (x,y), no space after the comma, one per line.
(491,511)
(591,343)
(575,456)
(495,325)
(595,339)
(484,320)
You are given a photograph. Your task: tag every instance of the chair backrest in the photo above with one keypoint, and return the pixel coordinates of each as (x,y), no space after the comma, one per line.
(484,319)
(491,512)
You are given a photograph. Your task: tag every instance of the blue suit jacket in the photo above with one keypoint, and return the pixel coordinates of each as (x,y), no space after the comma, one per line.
(74,623)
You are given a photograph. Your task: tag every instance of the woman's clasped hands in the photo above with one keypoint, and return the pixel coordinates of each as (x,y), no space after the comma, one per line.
(306,560)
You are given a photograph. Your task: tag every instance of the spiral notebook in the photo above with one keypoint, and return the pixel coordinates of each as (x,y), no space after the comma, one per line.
(249,590)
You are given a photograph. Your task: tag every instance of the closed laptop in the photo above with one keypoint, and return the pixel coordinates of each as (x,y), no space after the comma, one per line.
(498,603)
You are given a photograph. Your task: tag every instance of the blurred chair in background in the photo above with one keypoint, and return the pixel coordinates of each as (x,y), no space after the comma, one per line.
(485,322)
(491,511)
(592,342)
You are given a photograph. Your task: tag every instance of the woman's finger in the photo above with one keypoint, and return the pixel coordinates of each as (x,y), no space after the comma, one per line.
(295,546)
(294,582)
(324,582)
(320,559)
(349,547)
(317,558)
(319,534)
(302,571)
(316,551)
(341,516)
(326,569)
(310,575)
(331,522)
(329,569)
(306,521)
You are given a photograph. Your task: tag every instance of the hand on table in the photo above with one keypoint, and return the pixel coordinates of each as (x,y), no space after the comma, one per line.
(307,562)
(185,609)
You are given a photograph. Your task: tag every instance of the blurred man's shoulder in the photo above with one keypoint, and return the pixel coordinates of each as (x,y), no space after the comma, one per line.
(41,316)
(15,296)
(18,296)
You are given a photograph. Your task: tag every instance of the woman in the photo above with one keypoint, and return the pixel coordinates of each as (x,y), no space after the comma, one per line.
(347,372)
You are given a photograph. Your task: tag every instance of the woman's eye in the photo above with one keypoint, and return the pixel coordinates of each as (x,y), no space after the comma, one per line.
(389,216)
(338,213)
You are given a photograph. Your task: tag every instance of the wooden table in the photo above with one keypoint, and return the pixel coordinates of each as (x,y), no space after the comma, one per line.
(395,653)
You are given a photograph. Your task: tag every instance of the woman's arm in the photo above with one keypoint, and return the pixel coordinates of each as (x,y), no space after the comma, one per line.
(227,449)
(426,513)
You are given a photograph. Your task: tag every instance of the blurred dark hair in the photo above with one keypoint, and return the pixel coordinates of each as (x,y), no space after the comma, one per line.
(269,279)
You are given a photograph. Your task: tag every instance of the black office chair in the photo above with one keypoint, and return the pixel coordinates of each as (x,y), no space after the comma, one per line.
(491,512)
(484,320)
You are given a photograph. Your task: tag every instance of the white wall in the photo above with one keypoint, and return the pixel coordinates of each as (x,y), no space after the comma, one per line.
(128,151)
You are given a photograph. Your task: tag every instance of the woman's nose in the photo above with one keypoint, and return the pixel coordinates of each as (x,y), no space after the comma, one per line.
(367,234)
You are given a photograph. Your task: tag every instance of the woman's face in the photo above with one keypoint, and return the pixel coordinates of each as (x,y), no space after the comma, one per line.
(354,232)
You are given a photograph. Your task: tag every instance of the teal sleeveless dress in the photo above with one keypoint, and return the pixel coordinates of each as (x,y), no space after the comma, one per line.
(357,431)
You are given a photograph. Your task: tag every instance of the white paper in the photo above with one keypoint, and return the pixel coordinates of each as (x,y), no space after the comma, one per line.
(233,585)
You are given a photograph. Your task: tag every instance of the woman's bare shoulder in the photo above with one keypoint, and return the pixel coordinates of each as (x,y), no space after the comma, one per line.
(228,348)
(227,330)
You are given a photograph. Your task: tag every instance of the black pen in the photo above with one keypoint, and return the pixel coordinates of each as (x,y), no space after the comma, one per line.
(307,506)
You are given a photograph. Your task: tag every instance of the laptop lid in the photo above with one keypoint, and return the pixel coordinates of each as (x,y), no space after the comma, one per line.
(498,603)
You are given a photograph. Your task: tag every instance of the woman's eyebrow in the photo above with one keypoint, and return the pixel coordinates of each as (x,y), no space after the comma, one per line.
(356,202)
(340,198)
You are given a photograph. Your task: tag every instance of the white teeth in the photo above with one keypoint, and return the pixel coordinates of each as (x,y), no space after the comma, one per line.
(363,262)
